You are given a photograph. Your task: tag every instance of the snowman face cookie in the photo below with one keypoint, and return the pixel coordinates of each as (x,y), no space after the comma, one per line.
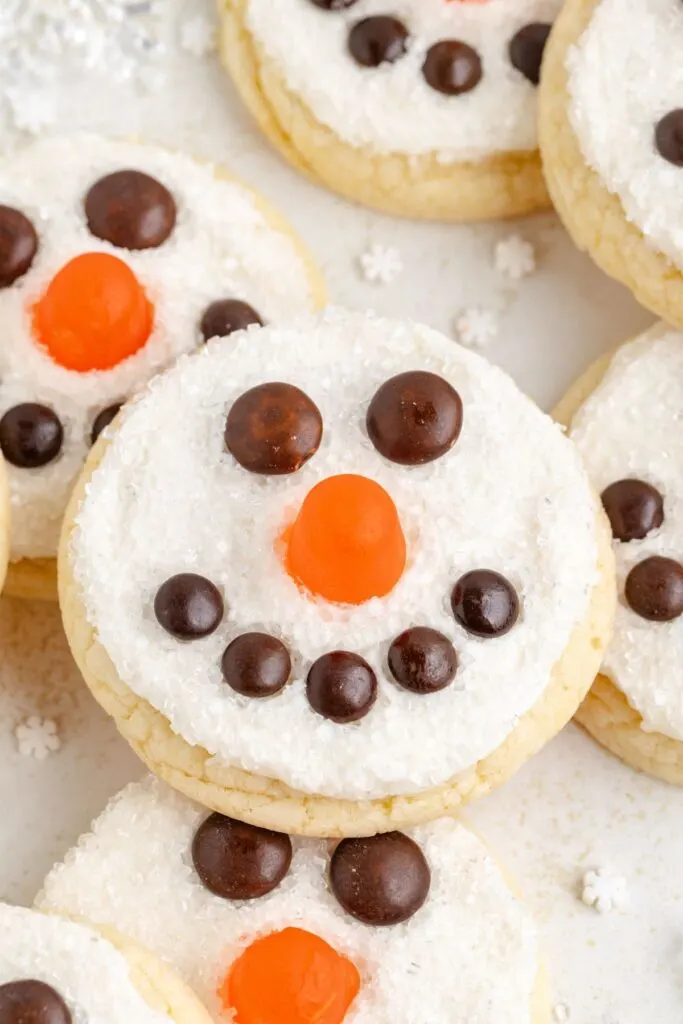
(402,928)
(327,555)
(115,258)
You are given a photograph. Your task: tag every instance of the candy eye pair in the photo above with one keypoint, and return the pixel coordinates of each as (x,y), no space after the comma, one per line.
(32,435)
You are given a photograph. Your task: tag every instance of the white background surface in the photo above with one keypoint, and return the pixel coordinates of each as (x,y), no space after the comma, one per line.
(573,808)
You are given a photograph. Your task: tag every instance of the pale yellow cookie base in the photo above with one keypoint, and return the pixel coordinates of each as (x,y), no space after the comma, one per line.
(606,713)
(4,523)
(594,217)
(506,185)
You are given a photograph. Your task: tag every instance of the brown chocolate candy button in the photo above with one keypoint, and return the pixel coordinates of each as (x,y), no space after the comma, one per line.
(381,880)
(32,1002)
(273,429)
(669,137)
(31,435)
(379,40)
(633,508)
(18,245)
(414,418)
(256,665)
(341,687)
(485,603)
(452,67)
(526,49)
(654,589)
(188,606)
(237,861)
(131,210)
(333,5)
(225,316)
(423,660)
(103,419)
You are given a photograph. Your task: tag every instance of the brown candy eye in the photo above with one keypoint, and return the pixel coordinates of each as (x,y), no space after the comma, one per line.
(103,419)
(333,5)
(422,660)
(341,687)
(237,861)
(32,1002)
(31,435)
(669,137)
(526,49)
(256,665)
(379,40)
(131,210)
(485,603)
(382,880)
(633,508)
(225,316)
(414,418)
(273,429)
(654,589)
(18,245)
(452,67)
(188,606)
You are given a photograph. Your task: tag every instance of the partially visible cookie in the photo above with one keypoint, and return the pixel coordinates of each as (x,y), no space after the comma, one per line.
(421,108)
(4,522)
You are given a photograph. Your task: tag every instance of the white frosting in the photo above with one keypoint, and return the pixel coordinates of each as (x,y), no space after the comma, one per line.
(91,975)
(625,74)
(510,496)
(629,428)
(222,247)
(392,109)
(469,954)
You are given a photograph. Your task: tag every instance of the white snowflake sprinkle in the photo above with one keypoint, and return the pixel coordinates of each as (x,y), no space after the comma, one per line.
(477,327)
(198,36)
(381,264)
(561,1013)
(515,257)
(37,737)
(603,890)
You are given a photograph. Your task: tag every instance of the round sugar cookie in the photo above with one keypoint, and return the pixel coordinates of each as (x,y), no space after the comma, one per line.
(228,904)
(336,578)
(420,108)
(115,259)
(624,415)
(59,971)
(612,142)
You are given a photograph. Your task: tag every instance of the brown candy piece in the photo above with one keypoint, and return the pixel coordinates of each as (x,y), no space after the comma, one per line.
(333,5)
(131,210)
(273,429)
(526,49)
(381,880)
(237,861)
(669,137)
(18,245)
(654,589)
(422,660)
(31,435)
(256,665)
(485,603)
(378,40)
(103,419)
(341,686)
(415,417)
(188,606)
(634,508)
(452,67)
(225,316)
(32,1002)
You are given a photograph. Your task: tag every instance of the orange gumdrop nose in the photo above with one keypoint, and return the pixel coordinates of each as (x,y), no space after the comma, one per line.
(94,313)
(290,977)
(347,544)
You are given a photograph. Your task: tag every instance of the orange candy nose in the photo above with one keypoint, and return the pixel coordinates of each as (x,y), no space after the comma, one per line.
(94,313)
(347,544)
(290,977)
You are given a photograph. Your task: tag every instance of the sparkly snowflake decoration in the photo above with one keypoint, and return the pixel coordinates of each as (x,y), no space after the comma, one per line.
(198,36)
(603,890)
(476,327)
(37,737)
(381,264)
(561,1013)
(515,257)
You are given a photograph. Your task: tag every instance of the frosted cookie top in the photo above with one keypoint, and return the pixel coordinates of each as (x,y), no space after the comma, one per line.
(115,259)
(451,78)
(388,917)
(638,468)
(59,972)
(630,125)
(345,555)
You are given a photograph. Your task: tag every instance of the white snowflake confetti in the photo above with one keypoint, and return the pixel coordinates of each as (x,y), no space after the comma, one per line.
(477,327)
(381,264)
(603,890)
(515,257)
(198,36)
(561,1013)
(37,737)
